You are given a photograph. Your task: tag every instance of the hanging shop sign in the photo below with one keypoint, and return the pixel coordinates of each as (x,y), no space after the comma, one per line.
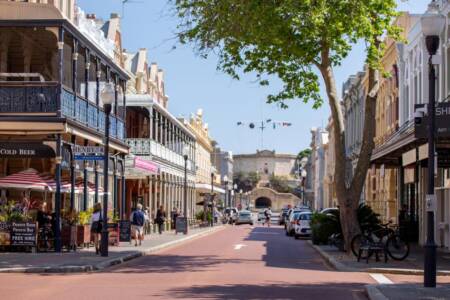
(442,120)
(88,152)
(25,150)
(139,167)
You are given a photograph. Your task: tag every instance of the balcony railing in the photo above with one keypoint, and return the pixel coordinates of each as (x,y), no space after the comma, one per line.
(33,97)
(42,97)
(147,147)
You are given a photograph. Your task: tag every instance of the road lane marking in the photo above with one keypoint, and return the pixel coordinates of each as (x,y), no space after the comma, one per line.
(380,278)
(238,246)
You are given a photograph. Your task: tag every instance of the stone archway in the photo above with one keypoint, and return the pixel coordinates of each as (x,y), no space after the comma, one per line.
(263,202)
(274,199)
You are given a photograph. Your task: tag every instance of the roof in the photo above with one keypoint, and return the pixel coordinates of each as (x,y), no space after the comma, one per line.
(28,11)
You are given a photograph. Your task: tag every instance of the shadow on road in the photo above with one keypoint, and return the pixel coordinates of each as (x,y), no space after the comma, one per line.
(286,252)
(173,264)
(327,290)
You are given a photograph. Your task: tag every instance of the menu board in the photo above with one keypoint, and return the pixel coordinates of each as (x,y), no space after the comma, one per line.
(5,235)
(23,234)
(124,231)
(181,225)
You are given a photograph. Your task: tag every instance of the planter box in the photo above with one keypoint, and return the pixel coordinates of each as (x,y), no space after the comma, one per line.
(83,235)
(69,236)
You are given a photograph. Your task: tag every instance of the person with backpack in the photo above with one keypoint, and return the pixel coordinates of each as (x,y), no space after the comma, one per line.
(137,224)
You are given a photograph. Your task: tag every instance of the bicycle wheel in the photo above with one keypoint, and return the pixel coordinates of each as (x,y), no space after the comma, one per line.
(397,248)
(357,241)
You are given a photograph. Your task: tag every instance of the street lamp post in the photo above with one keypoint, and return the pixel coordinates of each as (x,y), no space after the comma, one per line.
(212,199)
(227,198)
(240,197)
(303,178)
(185,211)
(432,25)
(107,96)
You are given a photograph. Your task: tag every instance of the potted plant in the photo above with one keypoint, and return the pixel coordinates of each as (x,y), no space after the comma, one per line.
(84,228)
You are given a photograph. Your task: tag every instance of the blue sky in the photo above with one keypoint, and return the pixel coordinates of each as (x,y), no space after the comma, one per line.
(192,82)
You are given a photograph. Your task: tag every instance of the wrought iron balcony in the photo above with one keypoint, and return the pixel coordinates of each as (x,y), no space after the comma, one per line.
(42,98)
(148,147)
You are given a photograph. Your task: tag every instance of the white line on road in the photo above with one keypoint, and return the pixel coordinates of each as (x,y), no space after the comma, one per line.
(238,246)
(380,278)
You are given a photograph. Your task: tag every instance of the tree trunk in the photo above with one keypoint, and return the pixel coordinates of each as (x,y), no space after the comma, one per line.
(348,195)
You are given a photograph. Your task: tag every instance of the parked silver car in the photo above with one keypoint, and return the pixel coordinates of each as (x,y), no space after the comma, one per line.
(244,217)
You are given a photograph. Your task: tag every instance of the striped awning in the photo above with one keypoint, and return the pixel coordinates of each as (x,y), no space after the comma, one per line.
(29,179)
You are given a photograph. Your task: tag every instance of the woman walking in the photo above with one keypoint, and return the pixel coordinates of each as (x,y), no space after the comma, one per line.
(160,218)
(96,226)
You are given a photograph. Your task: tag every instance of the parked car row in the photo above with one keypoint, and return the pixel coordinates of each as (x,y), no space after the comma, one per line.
(297,222)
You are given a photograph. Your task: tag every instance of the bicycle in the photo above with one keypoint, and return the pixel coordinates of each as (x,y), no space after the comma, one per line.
(396,247)
(45,237)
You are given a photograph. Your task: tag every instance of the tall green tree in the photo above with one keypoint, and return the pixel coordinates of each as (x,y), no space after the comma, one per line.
(298,41)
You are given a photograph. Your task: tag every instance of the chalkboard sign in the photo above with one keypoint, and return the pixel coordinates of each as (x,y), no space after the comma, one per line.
(181,225)
(23,234)
(124,231)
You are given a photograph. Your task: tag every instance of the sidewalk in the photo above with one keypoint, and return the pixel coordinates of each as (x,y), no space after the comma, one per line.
(412,265)
(85,260)
(407,292)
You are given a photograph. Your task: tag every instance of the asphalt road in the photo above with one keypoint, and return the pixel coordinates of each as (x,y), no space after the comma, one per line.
(240,262)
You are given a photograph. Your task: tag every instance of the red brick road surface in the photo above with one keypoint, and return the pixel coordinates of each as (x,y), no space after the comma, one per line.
(239,262)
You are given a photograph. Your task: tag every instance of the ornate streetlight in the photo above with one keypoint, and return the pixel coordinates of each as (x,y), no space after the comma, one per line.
(225,181)
(185,211)
(432,25)
(107,95)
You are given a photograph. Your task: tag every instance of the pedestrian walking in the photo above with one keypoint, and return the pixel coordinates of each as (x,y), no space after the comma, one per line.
(160,218)
(137,224)
(268,214)
(175,213)
(96,226)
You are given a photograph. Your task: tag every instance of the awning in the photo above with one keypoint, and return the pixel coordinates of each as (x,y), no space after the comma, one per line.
(29,179)
(137,167)
(204,187)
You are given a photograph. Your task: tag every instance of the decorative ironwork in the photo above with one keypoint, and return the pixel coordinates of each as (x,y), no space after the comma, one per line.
(42,97)
(27,99)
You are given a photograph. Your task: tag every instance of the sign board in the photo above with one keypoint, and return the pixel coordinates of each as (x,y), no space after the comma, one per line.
(443,158)
(5,234)
(25,150)
(88,152)
(442,123)
(124,231)
(430,202)
(181,225)
(23,234)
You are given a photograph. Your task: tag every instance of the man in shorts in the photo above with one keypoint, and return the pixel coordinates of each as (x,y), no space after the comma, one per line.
(137,224)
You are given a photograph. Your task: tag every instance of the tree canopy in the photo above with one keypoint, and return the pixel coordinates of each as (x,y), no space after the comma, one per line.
(286,38)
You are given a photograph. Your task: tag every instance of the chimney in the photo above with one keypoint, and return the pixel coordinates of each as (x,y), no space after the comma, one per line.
(91,16)
(114,16)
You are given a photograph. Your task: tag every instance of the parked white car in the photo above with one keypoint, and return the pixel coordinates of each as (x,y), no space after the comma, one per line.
(302,226)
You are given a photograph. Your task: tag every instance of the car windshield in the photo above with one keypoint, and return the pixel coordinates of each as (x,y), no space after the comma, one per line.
(305,216)
(244,214)
(296,215)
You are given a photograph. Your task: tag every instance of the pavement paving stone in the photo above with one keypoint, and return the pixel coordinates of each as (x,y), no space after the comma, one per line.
(85,260)
(407,292)
(412,265)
